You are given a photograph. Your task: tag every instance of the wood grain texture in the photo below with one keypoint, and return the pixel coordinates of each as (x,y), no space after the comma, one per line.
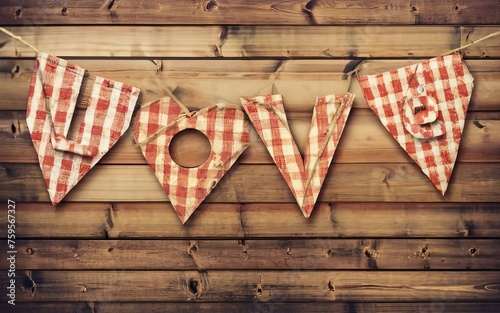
(299,81)
(364,140)
(71,220)
(231,68)
(381,238)
(442,305)
(262,254)
(393,182)
(325,12)
(253,285)
(368,41)
(243,221)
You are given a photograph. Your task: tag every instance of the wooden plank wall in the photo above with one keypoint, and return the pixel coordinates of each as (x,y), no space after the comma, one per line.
(381,238)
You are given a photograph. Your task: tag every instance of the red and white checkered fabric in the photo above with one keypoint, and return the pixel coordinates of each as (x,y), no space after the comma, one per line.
(54,89)
(224,126)
(303,176)
(424,107)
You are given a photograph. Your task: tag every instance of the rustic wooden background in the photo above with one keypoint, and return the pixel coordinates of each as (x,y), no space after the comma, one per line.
(381,237)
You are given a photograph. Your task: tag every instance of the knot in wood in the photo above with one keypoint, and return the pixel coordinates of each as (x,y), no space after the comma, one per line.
(210,5)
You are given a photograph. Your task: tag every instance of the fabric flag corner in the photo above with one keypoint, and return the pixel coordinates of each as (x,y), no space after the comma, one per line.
(56,87)
(424,107)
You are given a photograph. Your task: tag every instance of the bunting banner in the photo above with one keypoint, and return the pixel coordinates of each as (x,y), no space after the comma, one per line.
(304,176)
(424,107)
(224,126)
(56,87)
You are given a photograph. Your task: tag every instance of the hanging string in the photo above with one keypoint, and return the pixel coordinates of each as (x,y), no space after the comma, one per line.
(183,107)
(349,74)
(412,77)
(162,130)
(18,38)
(454,50)
(333,122)
(472,43)
(276,73)
(272,77)
(182,117)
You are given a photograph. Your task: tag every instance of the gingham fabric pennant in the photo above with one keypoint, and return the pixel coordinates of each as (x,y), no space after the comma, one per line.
(424,107)
(54,91)
(224,126)
(303,176)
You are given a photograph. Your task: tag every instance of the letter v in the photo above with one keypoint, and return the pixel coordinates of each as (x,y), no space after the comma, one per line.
(303,176)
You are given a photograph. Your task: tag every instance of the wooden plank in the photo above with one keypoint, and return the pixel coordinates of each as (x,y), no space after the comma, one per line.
(471,182)
(369,41)
(129,220)
(73,220)
(247,69)
(158,220)
(250,286)
(300,81)
(363,133)
(326,12)
(366,220)
(443,305)
(296,254)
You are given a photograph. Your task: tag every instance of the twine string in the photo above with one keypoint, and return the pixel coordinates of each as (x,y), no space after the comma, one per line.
(183,107)
(349,74)
(162,130)
(181,117)
(331,128)
(18,38)
(472,43)
(333,123)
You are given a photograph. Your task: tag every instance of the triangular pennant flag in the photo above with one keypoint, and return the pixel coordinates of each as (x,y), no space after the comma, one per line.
(54,91)
(424,107)
(224,126)
(303,176)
